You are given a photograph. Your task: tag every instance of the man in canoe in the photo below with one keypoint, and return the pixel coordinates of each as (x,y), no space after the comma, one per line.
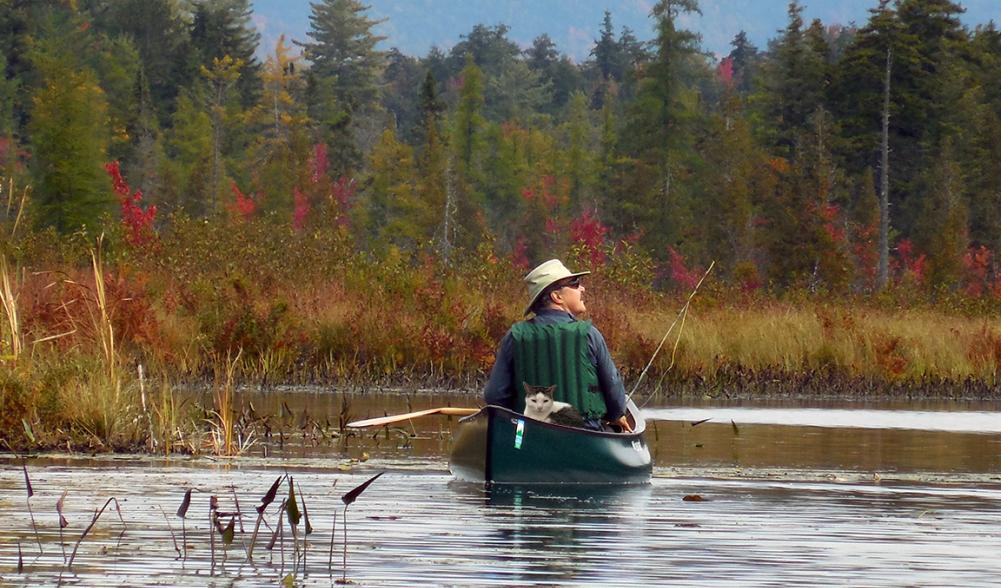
(554,347)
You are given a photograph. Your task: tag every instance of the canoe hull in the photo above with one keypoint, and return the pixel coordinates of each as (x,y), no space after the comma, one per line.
(498,446)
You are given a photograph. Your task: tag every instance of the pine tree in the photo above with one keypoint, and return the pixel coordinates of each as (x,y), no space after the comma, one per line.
(744,57)
(345,68)
(224,27)
(660,126)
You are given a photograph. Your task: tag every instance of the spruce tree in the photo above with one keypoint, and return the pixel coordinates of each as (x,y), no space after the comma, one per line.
(346,67)
(224,27)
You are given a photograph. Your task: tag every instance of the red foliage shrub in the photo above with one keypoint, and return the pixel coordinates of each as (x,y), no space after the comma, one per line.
(319,162)
(976,265)
(681,276)
(244,206)
(138,222)
(301,210)
(589,231)
(908,267)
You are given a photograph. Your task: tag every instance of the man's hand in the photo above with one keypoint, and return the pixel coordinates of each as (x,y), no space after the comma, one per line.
(623,422)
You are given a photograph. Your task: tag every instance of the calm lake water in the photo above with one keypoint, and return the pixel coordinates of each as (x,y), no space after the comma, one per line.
(794,494)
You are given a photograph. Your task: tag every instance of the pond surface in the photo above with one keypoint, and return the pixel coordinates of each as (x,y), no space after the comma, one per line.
(846,494)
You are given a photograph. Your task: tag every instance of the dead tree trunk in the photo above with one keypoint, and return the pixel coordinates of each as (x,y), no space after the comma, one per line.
(884,183)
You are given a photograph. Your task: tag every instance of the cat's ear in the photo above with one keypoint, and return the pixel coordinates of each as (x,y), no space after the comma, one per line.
(551,390)
(528,388)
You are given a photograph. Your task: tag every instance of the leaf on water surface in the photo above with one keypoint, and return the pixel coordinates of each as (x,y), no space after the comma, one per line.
(736,431)
(353,494)
(63,523)
(229,532)
(289,581)
(27,481)
(270,496)
(20,558)
(692,498)
(697,423)
(182,511)
(292,506)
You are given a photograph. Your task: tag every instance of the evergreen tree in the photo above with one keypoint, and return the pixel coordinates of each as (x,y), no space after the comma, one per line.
(401,86)
(393,213)
(744,57)
(224,27)
(794,82)
(189,147)
(430,110)
(555,71)
(157,30)
(661,124)
(345,69)
(467,145)
(281,150)
(69,132)
(579,166)
(943,220)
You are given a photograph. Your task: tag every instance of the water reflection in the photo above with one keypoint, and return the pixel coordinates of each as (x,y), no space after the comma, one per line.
(558,533)
(897,436)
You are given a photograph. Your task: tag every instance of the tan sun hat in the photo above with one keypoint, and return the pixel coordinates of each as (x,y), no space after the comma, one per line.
(543,276)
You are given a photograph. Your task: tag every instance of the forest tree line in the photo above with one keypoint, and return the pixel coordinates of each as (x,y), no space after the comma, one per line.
(771,160)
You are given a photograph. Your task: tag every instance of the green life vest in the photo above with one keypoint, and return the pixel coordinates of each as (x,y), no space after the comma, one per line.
(557,353)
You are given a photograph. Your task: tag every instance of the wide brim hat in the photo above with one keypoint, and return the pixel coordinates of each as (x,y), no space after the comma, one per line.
(545,275)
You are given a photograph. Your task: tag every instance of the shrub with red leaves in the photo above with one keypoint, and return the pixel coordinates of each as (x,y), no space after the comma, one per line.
(976,265)
(138,222)
(301,210)
(589,231)
(907,266)
(244,206)
(683,278)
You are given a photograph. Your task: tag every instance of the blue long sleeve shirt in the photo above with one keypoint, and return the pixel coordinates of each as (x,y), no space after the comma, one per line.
(501,388)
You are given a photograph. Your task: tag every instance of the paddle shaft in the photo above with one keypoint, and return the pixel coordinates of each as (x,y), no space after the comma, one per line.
(396,418)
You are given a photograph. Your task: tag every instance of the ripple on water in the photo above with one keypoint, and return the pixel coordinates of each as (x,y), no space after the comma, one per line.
(414,527)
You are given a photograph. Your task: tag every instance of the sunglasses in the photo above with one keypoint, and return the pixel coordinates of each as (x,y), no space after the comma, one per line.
(572,283)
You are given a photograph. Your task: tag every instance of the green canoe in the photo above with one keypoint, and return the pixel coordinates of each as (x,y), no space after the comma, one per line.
(499,446)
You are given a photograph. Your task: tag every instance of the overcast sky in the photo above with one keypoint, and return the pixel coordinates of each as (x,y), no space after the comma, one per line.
(414,26)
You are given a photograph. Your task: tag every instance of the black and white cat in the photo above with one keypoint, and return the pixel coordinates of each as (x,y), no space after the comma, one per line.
(539,405)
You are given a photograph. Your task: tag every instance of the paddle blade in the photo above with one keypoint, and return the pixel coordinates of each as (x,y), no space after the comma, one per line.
(353,495)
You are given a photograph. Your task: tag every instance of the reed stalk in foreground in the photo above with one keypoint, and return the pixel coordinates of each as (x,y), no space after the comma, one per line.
(8,301)
(97,515)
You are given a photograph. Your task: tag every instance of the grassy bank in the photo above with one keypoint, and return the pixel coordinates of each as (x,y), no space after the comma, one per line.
(218,307)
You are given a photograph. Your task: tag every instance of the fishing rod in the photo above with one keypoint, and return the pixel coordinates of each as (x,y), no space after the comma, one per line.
(682,313)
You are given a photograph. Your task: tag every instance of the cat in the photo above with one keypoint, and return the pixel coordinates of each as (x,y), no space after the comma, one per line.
(539,405)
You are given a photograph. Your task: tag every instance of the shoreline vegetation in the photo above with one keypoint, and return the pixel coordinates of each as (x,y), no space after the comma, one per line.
(99,337)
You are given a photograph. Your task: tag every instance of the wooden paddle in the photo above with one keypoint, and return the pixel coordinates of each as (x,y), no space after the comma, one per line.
(395,418)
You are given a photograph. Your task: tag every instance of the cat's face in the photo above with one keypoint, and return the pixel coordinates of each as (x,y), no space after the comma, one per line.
(538,400)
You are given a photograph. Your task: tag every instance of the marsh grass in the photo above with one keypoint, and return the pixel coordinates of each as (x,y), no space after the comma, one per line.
(871,343)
